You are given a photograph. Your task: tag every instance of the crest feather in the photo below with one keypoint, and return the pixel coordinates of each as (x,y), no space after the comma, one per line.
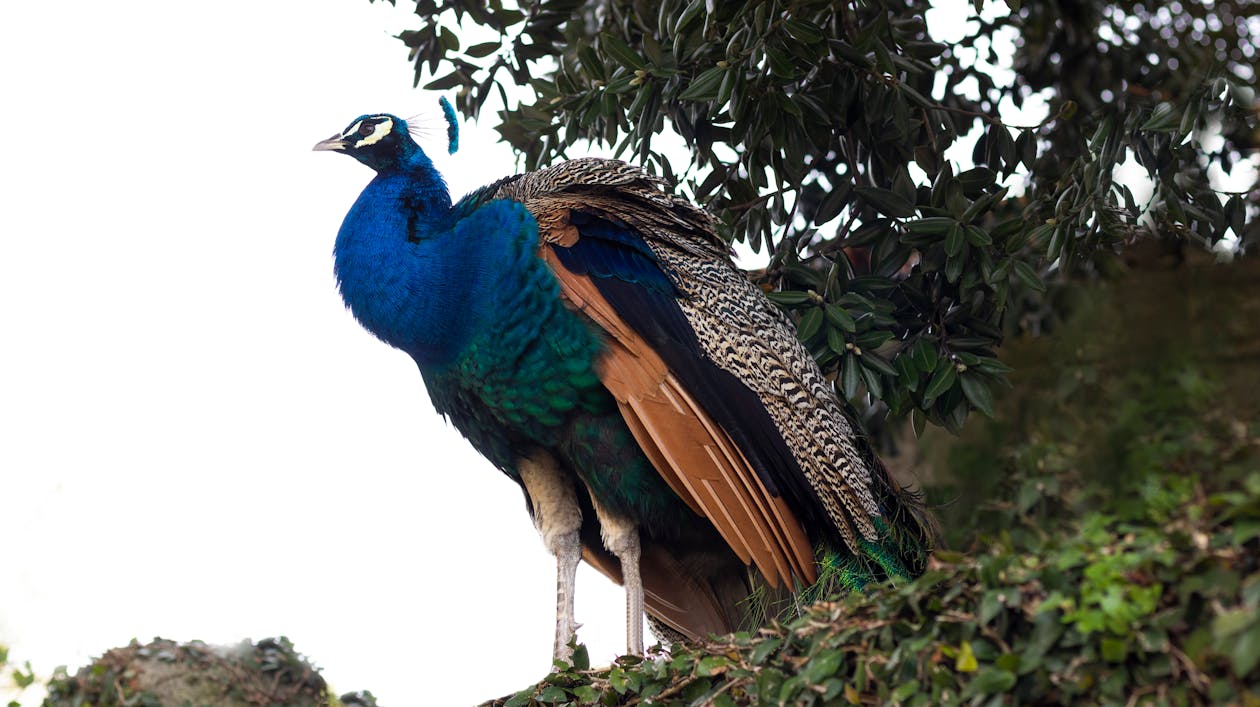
(431,126)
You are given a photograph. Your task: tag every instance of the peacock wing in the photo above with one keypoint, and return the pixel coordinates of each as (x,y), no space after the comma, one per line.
(607,273)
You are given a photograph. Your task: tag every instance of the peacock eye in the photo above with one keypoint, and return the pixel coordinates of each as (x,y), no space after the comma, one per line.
(366,128)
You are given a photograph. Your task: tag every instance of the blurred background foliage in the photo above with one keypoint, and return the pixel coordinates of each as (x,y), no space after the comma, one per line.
(923,184)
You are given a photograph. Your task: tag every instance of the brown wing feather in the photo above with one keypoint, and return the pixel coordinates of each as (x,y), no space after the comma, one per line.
(740,331)
(692,453)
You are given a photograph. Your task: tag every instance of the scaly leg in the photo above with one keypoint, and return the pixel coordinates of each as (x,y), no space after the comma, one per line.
(559,520)
(568,552)
(621,537)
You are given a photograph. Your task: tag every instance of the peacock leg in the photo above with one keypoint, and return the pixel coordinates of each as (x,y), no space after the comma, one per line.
(621,538)
(559,521)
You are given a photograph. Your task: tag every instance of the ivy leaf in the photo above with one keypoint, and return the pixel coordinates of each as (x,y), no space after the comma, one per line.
(992,681)
(966,660)
(763,650)
(712,665)
(520,699)
(552,694)
(823,666)
(581,658)
(1245,655)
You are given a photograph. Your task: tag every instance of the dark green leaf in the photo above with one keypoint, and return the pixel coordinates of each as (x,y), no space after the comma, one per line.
(993,680)
(788,297)
(810,323)
(833,204)
(1163,119)
(879,363)
(944,378)
(1025,274)
(977,178)
(450,80)
(954,265)
(763,650)
(977,236)
(873,382)
(924,353)
(1113,650)
(954,240)
(803,31)
(978,393)
(850,54)
(552,694)
(802,275)
(520,699)
(705,86)
(712,665)
(991,365)
(933,225)
(840,318)
(581,659)
(616,48)
(886,201)
(849,376)
(484,49)
(835,340)
(823,666)
(1245,653)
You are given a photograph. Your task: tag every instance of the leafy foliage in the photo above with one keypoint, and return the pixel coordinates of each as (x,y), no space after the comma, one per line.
(820,131)
(1125,610)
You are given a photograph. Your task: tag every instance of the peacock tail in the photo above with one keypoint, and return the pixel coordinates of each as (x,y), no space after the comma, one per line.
(866,527)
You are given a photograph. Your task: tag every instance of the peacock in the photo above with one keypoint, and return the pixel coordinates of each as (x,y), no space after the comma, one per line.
(585,328)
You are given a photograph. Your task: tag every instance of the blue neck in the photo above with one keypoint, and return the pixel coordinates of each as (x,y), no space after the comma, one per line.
(399,270)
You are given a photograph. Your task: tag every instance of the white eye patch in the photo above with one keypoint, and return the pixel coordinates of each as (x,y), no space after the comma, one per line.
(378,131)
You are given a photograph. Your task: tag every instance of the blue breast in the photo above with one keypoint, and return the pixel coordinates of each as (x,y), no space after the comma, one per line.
(402,274)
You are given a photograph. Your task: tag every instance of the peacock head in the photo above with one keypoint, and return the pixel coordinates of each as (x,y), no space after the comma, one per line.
(382,141)
(379,140)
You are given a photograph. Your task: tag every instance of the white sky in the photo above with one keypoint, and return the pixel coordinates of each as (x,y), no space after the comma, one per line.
(196,439)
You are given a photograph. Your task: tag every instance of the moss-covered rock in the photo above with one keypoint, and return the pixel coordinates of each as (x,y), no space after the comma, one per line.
(164,672)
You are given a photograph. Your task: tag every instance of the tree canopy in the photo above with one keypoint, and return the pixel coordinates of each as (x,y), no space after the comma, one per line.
(833,137)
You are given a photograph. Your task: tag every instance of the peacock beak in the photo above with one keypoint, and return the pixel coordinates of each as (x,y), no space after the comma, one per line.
(333,143)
